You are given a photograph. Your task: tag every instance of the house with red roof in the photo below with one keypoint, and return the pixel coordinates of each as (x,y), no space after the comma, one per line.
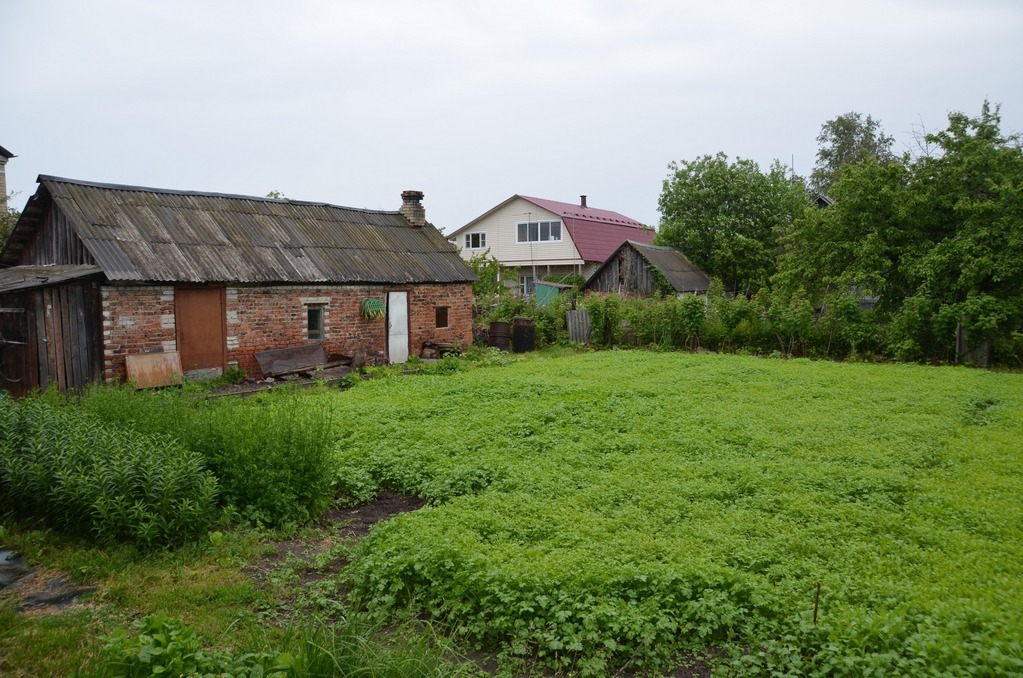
(543,238)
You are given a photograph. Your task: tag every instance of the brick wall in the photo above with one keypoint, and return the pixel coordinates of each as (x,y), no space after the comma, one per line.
(135,320)
(264,318)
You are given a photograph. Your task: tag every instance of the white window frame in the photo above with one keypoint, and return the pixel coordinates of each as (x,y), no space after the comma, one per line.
(550,224)
(526,285)
(481,240)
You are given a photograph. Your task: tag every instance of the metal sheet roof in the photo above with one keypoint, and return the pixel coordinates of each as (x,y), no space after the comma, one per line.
(682,274)
(28,277)
(157,235)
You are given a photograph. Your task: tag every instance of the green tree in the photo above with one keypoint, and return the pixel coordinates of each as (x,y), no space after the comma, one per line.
(938,239)
(969,195)
(727,217)
(860,242)
(8,218)
(488,285)
(847,140)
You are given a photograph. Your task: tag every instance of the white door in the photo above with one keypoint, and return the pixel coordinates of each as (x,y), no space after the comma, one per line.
(397,326)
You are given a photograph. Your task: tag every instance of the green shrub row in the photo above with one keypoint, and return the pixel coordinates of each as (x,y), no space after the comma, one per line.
(86,478)
(770,323)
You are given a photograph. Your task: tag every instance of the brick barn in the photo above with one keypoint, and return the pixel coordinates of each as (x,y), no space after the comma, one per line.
(94,272)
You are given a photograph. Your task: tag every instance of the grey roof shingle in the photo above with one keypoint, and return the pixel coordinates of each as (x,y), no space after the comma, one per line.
(157,235)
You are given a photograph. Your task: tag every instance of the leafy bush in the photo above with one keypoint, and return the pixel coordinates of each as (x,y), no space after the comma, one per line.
(89,479)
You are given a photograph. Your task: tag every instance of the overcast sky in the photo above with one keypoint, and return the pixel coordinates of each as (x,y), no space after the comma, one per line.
(352,101)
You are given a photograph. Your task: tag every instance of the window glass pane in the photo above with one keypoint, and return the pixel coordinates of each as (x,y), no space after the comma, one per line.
(555,230)
(442,316)
(314,326)
(523,231)
(483,240)
(534,231)
(468,241)
(545,231)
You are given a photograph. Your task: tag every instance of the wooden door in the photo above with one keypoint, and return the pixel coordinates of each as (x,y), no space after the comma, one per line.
(201,321)
(397,327)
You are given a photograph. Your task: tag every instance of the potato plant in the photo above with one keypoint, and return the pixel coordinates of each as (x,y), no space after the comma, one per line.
(619,510)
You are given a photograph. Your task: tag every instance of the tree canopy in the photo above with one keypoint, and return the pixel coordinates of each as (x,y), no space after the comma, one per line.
(938,239)
(727,216)
(845,140)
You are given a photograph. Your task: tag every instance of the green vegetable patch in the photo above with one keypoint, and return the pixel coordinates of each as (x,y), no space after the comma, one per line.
(637,510)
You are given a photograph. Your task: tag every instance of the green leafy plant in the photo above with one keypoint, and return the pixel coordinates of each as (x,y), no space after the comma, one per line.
(64,466)
(167,647)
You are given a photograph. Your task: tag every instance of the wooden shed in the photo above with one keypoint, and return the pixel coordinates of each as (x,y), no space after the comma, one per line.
(641,269)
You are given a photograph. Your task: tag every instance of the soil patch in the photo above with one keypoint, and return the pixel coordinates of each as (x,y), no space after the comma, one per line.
(36,590)
(349,523)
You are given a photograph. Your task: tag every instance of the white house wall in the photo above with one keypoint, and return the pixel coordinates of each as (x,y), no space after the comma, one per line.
(501,228)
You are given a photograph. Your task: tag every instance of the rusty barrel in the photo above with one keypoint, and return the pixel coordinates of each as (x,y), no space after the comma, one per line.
(500,335)
(523,335)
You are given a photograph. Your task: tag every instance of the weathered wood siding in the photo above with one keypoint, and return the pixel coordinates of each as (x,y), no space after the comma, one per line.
(60,335)
(627,273)
(56,243)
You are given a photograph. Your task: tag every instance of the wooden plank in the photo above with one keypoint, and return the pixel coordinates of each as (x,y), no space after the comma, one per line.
(291,359)
(73,334)
(578,326)
(154,369)
(47,346)
(93,310)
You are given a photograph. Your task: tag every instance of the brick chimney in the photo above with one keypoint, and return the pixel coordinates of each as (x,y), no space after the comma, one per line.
(412,208)
(582,201)
(5,155)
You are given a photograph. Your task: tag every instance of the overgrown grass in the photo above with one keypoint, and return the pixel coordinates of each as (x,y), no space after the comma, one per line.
(613,510)
(201,606)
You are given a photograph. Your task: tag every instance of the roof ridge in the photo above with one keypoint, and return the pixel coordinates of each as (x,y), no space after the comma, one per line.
(205,194)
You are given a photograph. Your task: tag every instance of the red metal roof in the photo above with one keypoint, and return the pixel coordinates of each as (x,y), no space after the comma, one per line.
(596,233)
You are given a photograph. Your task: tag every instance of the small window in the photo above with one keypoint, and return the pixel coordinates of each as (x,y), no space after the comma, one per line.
(314,327)
(442,316)
(475,241)
(526,285)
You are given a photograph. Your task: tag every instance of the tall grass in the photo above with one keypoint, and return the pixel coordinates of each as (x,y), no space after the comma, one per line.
(166,646)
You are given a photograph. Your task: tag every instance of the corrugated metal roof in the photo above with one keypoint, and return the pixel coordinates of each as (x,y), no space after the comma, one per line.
(156,235)
(597,240)
(682,274)
(568,210)
(27,277)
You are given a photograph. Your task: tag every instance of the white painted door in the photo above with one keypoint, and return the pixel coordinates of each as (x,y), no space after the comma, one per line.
(397,326)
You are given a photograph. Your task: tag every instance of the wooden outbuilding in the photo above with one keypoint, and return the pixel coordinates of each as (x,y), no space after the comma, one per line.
(641,269)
